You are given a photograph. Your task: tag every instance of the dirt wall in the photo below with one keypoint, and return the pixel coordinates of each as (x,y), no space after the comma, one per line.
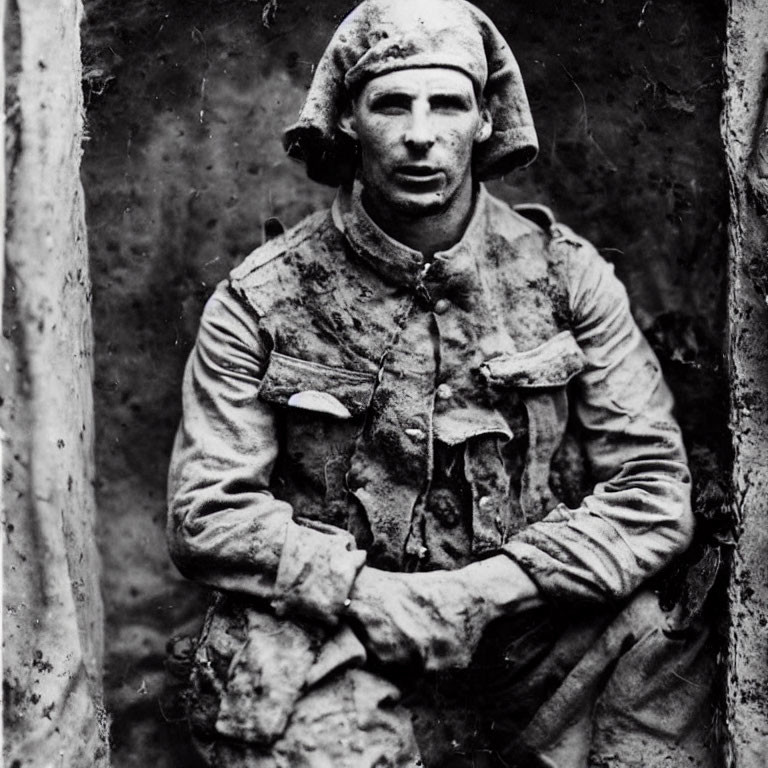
(185,104)
(52,612)
(745,130)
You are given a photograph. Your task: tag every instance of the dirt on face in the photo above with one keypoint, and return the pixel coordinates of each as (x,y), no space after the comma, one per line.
(183,166)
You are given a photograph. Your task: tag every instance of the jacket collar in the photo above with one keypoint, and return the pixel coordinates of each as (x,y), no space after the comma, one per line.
(399,264)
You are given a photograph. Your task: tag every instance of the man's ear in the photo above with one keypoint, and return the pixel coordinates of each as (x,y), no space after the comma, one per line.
(485,129)
(346,123)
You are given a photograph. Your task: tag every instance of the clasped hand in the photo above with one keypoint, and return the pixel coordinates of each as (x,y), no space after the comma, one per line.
(436,618)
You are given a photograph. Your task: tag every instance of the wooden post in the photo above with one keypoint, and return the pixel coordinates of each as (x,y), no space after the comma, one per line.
(743,127)
(52,614)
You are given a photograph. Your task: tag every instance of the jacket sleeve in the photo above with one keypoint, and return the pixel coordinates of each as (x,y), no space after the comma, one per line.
(225,529)
(639,514)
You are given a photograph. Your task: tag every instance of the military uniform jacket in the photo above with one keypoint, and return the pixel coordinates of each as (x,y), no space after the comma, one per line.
(346,400)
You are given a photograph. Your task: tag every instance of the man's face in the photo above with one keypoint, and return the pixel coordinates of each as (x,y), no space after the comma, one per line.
(416,129)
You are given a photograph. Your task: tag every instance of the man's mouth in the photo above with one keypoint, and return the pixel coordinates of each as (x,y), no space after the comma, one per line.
(418,173)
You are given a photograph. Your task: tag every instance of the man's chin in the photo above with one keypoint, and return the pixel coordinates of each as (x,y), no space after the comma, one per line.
(419,206)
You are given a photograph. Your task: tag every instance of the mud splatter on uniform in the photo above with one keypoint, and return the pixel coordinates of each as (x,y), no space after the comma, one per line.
(346,400)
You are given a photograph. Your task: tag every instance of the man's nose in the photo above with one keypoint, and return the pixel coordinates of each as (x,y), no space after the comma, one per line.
(420,132)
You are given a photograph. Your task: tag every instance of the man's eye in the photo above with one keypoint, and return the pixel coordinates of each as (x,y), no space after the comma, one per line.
(391,104)
(449,104)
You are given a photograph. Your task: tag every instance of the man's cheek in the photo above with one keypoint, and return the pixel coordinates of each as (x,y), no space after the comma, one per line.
(457,143)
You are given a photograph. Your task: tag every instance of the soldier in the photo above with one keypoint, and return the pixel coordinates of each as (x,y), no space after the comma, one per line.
(427,460)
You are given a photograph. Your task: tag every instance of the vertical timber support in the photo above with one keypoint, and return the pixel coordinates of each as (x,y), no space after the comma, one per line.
(745,134)
(52,614)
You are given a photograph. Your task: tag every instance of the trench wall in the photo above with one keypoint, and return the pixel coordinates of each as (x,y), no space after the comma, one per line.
(52,613)
(745,134)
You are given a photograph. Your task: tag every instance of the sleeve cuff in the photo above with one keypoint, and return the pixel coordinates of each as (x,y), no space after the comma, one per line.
(317,569)
(555,581)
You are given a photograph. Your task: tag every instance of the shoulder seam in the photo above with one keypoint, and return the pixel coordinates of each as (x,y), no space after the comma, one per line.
(275,248)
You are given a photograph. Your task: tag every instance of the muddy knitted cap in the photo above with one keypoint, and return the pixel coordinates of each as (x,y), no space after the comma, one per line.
(381,36)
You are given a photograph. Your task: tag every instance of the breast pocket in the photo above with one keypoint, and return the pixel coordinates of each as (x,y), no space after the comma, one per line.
(305,385)
(540,375)
(550,365)
(321,412)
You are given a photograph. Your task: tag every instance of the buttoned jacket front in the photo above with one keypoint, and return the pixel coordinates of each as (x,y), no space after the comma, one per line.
(336,372)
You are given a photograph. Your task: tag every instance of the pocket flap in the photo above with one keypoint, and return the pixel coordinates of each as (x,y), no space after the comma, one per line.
(265,679)
(311,386)
(459,424)
(552,364)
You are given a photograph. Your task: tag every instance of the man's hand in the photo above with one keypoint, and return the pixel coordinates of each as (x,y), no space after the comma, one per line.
(436,618)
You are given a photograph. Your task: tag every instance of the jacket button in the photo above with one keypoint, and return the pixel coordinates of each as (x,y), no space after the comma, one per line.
(444,392)
(442,306)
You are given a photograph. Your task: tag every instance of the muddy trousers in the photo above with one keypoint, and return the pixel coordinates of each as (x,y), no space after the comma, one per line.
(631,691)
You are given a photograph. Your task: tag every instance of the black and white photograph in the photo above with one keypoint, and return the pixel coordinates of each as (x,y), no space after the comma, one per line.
(384,384)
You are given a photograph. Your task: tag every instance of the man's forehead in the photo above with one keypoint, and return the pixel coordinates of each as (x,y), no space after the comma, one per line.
(418,79)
